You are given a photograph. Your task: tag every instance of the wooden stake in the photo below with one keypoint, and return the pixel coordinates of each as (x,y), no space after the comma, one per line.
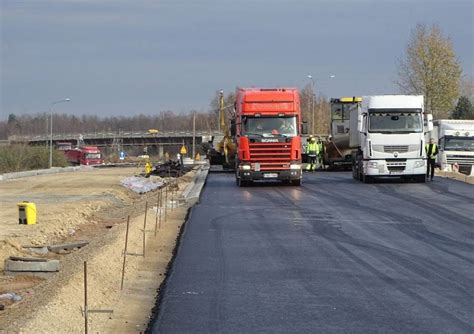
(172,199)
(161,207)
(166,200)
(144,228)
(85,299)
(125,252)
(158,212)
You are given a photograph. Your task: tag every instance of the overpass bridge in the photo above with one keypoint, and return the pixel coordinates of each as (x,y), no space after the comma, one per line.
(160,142)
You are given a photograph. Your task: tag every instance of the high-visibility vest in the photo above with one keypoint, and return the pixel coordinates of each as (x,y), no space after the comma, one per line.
(312,148)
(320,148)
(431,150)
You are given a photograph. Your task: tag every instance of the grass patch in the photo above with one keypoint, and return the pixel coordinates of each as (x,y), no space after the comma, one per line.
(17,158)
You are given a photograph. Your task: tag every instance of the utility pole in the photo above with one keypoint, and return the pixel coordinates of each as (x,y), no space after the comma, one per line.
(194,135)
(51,130)
(310,77)
(221,110)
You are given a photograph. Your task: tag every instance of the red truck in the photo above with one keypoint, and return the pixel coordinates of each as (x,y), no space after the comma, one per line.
(266,129)
(84,155)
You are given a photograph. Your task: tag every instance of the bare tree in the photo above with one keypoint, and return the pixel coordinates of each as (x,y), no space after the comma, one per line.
(321,110)
(306,95)
(430,68)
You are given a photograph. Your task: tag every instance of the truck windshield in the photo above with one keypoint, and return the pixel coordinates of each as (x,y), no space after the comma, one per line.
(459,143)
(342,111)
(268,126)
(92,155)
(395,120)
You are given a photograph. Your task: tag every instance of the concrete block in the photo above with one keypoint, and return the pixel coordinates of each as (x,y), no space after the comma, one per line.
(31,266)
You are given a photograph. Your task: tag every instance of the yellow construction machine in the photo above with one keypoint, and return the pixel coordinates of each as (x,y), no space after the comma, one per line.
(223,152)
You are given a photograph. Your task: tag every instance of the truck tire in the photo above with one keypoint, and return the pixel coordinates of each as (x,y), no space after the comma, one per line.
(367,179)
(355,175)
(420,178)
(241,183)
(296,182)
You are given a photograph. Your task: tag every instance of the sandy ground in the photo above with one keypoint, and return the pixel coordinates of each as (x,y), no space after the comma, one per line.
(93,206)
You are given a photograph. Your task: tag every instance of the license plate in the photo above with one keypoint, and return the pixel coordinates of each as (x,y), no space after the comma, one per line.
(270,175)
(396,173)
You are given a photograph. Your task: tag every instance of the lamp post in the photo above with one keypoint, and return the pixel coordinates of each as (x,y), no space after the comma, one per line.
(310,77)
(194,135)
(51,130)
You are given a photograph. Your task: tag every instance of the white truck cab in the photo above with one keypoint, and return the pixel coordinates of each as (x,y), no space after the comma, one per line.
(455,140)
(387,137)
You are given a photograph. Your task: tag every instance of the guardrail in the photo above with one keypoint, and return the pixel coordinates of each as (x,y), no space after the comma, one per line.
(111,135)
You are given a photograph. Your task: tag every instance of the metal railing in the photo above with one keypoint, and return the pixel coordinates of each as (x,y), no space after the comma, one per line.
(111,135)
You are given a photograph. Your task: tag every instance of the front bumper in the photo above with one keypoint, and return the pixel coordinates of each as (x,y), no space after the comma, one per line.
(284,175)
(394,168)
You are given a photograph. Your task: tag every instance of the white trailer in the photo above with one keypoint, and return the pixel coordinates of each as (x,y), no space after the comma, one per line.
(387,137)
(455,140)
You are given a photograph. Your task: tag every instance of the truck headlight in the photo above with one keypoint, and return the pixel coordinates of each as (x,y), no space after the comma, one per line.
(372,164)
(245,167)
(295,166)
(419,164)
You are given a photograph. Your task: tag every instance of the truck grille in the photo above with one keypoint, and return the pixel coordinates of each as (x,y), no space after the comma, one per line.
(460,159)
(270,156)
(396,165)
(395,148)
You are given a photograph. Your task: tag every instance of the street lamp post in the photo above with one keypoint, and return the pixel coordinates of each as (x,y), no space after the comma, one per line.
(51,130)
(310,77)
(194,135)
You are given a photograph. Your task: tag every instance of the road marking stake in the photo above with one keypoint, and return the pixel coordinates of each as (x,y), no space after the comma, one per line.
(85,312)
(158,212)
(144,228)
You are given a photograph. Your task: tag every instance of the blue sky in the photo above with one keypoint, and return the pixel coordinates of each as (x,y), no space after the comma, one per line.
(114,57)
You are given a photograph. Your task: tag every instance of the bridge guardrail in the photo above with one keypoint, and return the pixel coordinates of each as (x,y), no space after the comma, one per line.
(110,135)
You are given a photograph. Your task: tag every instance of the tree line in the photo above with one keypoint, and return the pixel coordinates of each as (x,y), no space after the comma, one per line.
(38,124)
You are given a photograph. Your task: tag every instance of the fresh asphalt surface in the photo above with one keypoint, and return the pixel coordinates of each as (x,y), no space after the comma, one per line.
(332,256)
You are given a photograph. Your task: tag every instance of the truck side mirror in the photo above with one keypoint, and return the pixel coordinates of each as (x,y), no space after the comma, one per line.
(304,128)
(429,119)
(233,129)
(361,122)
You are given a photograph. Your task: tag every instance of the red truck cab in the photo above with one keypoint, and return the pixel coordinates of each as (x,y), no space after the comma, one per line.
(268,129)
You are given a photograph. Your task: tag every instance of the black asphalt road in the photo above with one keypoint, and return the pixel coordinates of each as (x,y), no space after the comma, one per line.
(332,256)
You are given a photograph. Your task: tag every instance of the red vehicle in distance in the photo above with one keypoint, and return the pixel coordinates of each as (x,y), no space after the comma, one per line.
(82,155)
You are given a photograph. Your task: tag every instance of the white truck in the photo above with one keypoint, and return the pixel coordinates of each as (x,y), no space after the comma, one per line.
(455,140)
(387,137)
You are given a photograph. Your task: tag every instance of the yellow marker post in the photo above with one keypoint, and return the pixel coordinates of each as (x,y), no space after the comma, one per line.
(27,213)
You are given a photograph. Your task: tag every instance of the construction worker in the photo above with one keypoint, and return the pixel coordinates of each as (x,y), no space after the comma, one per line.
(312,151)
(431,153)
(320,152)
(148,168)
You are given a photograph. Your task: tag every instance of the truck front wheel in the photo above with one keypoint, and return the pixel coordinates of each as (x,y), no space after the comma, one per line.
(242,183)
(355,172)
(420,178)
(296,182)
(366,178)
